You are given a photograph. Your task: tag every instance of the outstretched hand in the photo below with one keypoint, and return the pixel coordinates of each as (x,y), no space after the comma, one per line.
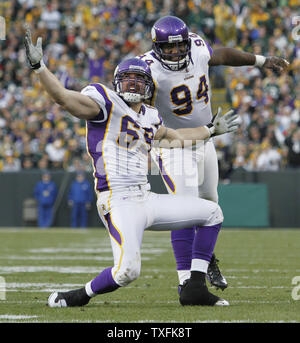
(226,123)
(34,53)
(277,64)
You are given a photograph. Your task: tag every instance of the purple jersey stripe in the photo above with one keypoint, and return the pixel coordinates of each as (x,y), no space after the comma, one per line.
(99,116)
(165,176)
(95,136)
(113,230)
(209,48)
(154,56)
(101,90)
(143,109)
(96,133)
(160,120)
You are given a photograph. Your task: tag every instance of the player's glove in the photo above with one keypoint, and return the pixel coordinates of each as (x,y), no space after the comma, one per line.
(223,124)
(34,53)
(277,64)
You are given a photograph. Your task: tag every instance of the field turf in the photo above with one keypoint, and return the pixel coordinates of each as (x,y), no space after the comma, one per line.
(259,266)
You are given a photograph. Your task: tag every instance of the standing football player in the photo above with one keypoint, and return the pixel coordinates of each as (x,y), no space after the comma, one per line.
(179,62)
(120,131)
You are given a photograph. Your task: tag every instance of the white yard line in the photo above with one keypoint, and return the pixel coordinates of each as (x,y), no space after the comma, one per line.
(112,321)
(79,269)
(95,301)
(38,269)
(14,317)
(14,285)
(262,270)
(56,257)
(62,258)
(98,250)
(42,287)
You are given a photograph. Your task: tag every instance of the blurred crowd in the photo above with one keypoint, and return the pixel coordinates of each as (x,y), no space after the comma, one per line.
(85,39)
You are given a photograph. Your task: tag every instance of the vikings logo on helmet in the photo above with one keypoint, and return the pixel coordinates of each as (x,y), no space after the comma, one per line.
(171,30)
(137,88)
(153,34)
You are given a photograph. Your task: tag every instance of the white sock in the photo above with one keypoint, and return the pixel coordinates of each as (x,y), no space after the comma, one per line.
(88,290)
(199,265)
(183,275)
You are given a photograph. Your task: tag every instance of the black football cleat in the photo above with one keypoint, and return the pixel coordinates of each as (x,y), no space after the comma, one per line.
(76,297)
(214,275)
(196,293)
(179,289)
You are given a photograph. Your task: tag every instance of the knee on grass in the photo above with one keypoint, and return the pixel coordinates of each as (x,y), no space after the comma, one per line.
(125,275)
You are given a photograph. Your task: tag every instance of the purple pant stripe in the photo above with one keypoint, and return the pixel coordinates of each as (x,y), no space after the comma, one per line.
(165,176)
(112,229)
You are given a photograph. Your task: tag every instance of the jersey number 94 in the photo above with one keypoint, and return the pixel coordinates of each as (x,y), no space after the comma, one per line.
(182,98)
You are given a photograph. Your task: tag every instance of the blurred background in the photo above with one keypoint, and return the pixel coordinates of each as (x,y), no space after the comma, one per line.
(83,42)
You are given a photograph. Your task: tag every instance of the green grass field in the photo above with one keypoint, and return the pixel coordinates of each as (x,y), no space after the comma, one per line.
(259,266)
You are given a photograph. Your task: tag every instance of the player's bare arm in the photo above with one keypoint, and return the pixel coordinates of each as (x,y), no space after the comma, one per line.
(77,104)
(234,57)
(220,124)
(170,138)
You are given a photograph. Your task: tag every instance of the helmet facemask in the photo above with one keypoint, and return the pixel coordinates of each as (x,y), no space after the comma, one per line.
(133,88)
(174,60)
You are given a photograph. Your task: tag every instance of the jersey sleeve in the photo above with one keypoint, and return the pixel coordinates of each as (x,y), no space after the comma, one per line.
(200,47)
(159,122)
(99,94)
(209,48)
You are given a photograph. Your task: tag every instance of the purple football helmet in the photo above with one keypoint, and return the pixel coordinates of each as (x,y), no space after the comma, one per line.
(169,32)
(137,88)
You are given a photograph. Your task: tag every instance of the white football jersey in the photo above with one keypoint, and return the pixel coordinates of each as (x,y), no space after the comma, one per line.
(119,139)
(183,97)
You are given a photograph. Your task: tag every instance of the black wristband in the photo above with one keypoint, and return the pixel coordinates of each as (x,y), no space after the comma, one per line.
(211,128)
(35,66)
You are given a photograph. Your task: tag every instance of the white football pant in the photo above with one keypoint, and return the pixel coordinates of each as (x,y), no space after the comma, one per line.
(128,212)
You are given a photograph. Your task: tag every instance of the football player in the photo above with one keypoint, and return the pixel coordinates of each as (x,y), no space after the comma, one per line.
(179,62)
(120,131)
